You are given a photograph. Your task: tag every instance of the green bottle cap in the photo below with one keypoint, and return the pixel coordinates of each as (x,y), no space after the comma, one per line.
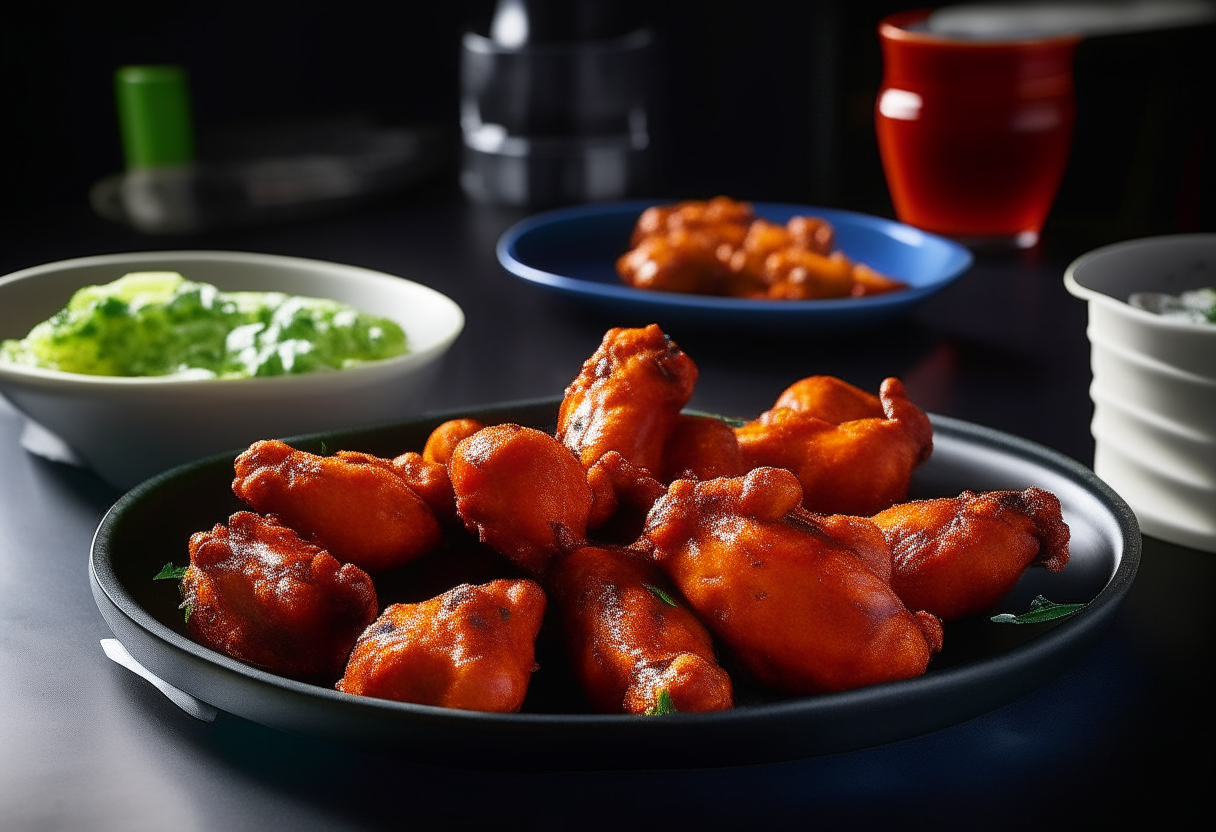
(154,115)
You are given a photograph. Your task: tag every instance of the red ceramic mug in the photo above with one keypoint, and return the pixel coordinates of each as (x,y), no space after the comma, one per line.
(974,134)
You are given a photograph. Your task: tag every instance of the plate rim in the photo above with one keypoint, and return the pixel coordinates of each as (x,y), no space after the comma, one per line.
(1054,647)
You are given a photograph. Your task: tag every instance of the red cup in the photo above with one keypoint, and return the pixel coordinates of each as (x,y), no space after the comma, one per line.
(974,134)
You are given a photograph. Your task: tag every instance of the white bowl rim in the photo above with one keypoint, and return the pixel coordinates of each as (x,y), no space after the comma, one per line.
(46,377)
(1141,315)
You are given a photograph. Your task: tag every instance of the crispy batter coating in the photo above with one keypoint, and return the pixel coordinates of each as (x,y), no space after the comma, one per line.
(426,473)
(430,481)
(795,596)
(260,594)
(522,492)
(355,505)
(473,648)
(859,466)
(630,637)
(830,399)
(444,439)
(959,556)
(701,448)
(627,398)
(621,497)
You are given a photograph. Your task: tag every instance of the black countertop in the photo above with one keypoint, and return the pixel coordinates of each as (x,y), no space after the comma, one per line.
(89,745)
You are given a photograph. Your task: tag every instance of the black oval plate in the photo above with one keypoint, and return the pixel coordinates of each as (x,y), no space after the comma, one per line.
(983,666)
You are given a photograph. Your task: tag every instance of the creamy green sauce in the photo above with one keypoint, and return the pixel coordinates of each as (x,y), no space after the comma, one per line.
(160,324)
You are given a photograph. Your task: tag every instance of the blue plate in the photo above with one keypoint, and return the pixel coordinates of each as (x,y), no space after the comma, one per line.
(573,252)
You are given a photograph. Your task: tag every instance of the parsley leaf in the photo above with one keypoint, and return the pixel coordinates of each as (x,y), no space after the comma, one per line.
(1040,610)
(169,572)
(660,594)
(663,706)
(730,420)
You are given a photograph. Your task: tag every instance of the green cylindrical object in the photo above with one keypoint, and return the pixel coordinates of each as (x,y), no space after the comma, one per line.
(154,115)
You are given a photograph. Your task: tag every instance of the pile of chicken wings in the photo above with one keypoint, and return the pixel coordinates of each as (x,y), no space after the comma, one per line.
(664,542)
(720,247)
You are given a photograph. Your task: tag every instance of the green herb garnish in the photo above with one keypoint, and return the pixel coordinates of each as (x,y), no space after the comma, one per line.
(324,448)
(1040,610)
(663,706)
(730,420)
(660,594)
(169,572)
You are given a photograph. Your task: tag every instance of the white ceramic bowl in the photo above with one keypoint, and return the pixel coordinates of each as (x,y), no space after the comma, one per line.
(1154,387)
(127,429)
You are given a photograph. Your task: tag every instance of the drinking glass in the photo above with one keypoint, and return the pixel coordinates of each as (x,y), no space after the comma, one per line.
(974,134)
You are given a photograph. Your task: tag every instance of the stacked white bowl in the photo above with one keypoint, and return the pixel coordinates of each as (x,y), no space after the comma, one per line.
(1154,387)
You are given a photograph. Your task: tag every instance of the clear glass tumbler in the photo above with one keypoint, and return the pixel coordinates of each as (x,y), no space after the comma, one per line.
(554,123)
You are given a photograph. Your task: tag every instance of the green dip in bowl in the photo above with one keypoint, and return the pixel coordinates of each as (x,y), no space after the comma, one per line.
(161,324)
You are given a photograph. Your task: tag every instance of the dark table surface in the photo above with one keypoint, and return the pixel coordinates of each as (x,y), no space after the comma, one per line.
(84,744)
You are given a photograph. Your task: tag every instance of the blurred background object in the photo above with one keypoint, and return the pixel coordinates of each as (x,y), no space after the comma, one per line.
(154,116)
(1050,18)
(974,133)
(1154,385)
(754,98)
(252,174)
(975,116)
(553,105)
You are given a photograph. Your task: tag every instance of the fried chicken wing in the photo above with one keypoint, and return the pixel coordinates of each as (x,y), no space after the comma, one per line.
(430,481)
(629,639)
(798,274)
(426,473)
(720,247)
(959,556)
(830,399)
(684,260)
(353,504)
(812,233)
(621,497)
(859,466)
(444,439)
(729,218)
(473,648)
(701,448)
(522,492)
(798,598)
(747,261)
(258,593)
(627,398)
(867,281)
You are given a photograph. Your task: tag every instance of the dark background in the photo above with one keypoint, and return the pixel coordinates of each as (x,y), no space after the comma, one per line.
(754,98)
